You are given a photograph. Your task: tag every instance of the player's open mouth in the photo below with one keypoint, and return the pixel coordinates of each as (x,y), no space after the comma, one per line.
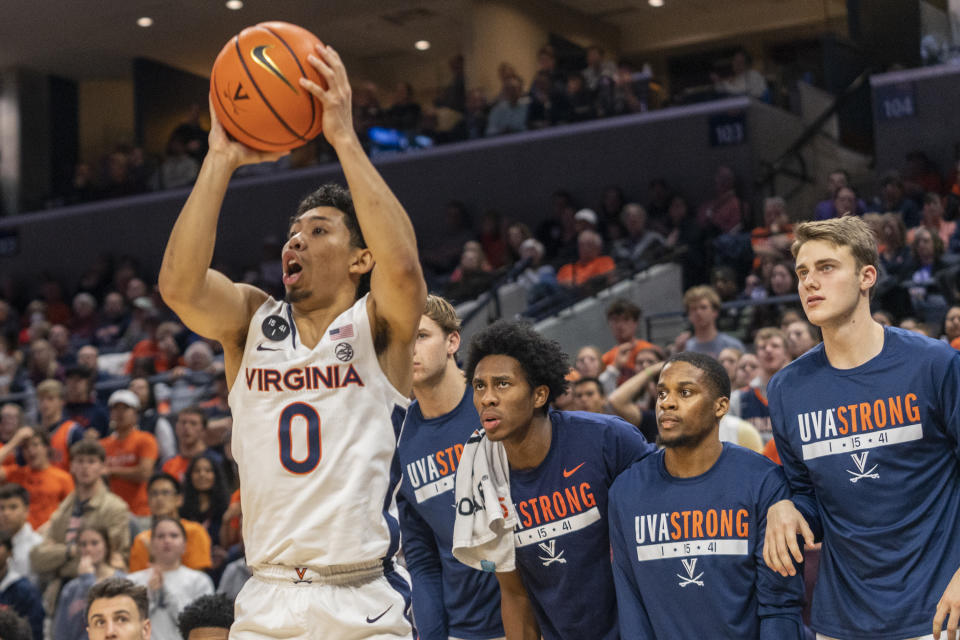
(491,423)
(292,271)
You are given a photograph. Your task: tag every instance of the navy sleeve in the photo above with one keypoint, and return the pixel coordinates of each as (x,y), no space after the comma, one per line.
(624,445)
(426,573)
(801,486)
(631,613)
(779,599)
(949,386)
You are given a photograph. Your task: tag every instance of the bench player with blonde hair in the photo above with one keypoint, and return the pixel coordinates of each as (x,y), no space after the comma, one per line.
(319,385)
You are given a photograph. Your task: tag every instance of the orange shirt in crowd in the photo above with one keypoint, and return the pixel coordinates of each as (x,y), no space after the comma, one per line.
(196,554)
(128,452)
(60,445)
(578,272)
(770,450)
(46,488)
(177,467)
(638,346)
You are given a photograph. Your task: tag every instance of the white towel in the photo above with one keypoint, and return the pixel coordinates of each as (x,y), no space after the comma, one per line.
(486,517)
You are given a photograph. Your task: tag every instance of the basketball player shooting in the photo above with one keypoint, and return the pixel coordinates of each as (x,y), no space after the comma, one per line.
(318,381)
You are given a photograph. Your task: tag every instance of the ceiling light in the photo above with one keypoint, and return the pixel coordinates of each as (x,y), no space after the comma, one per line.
(144,21)
(655,3)
(421,45)
(235,5)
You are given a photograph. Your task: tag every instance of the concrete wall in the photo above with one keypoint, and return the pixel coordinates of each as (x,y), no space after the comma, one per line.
(933,126)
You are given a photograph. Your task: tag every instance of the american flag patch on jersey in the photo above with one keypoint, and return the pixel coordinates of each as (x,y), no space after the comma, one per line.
(346,331)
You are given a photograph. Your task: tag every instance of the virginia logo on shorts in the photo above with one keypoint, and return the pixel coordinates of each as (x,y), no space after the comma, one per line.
(301,571)
(690,564)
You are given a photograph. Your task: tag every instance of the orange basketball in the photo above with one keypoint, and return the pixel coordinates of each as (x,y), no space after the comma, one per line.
(255,86)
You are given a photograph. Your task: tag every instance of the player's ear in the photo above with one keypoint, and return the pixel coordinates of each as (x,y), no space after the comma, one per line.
(362,261)
(868,277)
(720,406)
(453,344)
(540,396)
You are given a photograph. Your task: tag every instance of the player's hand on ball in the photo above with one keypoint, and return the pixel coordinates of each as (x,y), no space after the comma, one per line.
(784,523)
(336,98)
(236,153)
(949,605)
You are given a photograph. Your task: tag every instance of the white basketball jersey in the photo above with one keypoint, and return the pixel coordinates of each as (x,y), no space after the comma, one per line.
(314,436)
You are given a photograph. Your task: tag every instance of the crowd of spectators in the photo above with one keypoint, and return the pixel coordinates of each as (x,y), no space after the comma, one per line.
(395,120)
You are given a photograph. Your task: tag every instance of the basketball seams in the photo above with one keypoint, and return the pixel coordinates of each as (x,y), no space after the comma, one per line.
(266,102)
(313,106)
(224,111)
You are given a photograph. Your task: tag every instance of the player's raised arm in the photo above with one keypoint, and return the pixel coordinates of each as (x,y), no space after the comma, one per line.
(206,300)
(397,285)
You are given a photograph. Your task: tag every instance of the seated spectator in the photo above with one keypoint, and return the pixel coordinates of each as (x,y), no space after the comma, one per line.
(641,247)
(623,320)
(626,94)
(93,544)
(702,305)
(893,198)
(113,323)
(178,168)
(750,402)
(776,235)
(517,232)
(162,348)
(578,103)
(509,114)
(951,325)
(685,240)
(62,343)
(11,421)
(920,276)
(588,362)
(165,497)
(130,456)
(933,219)
(191,442)
(473,125)
(724,212)
(589,396)
(894,251)
(14,506)
(170,585)
(153,420)
(829,208)
(472,277)
(538,280)
(631,400)
(492,239)
(85,320)
(404,114)
(744,80)
(611,206)
(728,358)
(748,367)
(801,337)
(47,485)
(205,496)
(80,406)
(591,268)
(17,592)
(62,431)
(191,382)
(42,362)
(206,618)
(598,69)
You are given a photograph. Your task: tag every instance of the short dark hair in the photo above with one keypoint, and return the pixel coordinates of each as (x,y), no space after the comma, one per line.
(195,410)
(590,380)
(542,360)
(13,626)
(157,520)
(116,587)
(213,610)
(623,307)
(163,475)
(14,490)
(333,195)
(713,372)
(79,371)
(88,448)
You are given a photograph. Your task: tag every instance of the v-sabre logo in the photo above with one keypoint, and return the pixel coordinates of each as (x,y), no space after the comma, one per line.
(860,459)
(260,56)
(550,548)
(690,564)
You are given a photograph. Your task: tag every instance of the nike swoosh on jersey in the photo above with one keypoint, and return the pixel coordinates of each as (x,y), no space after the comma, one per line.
(567,474)
(372,620)
(260,347)
(260,56)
